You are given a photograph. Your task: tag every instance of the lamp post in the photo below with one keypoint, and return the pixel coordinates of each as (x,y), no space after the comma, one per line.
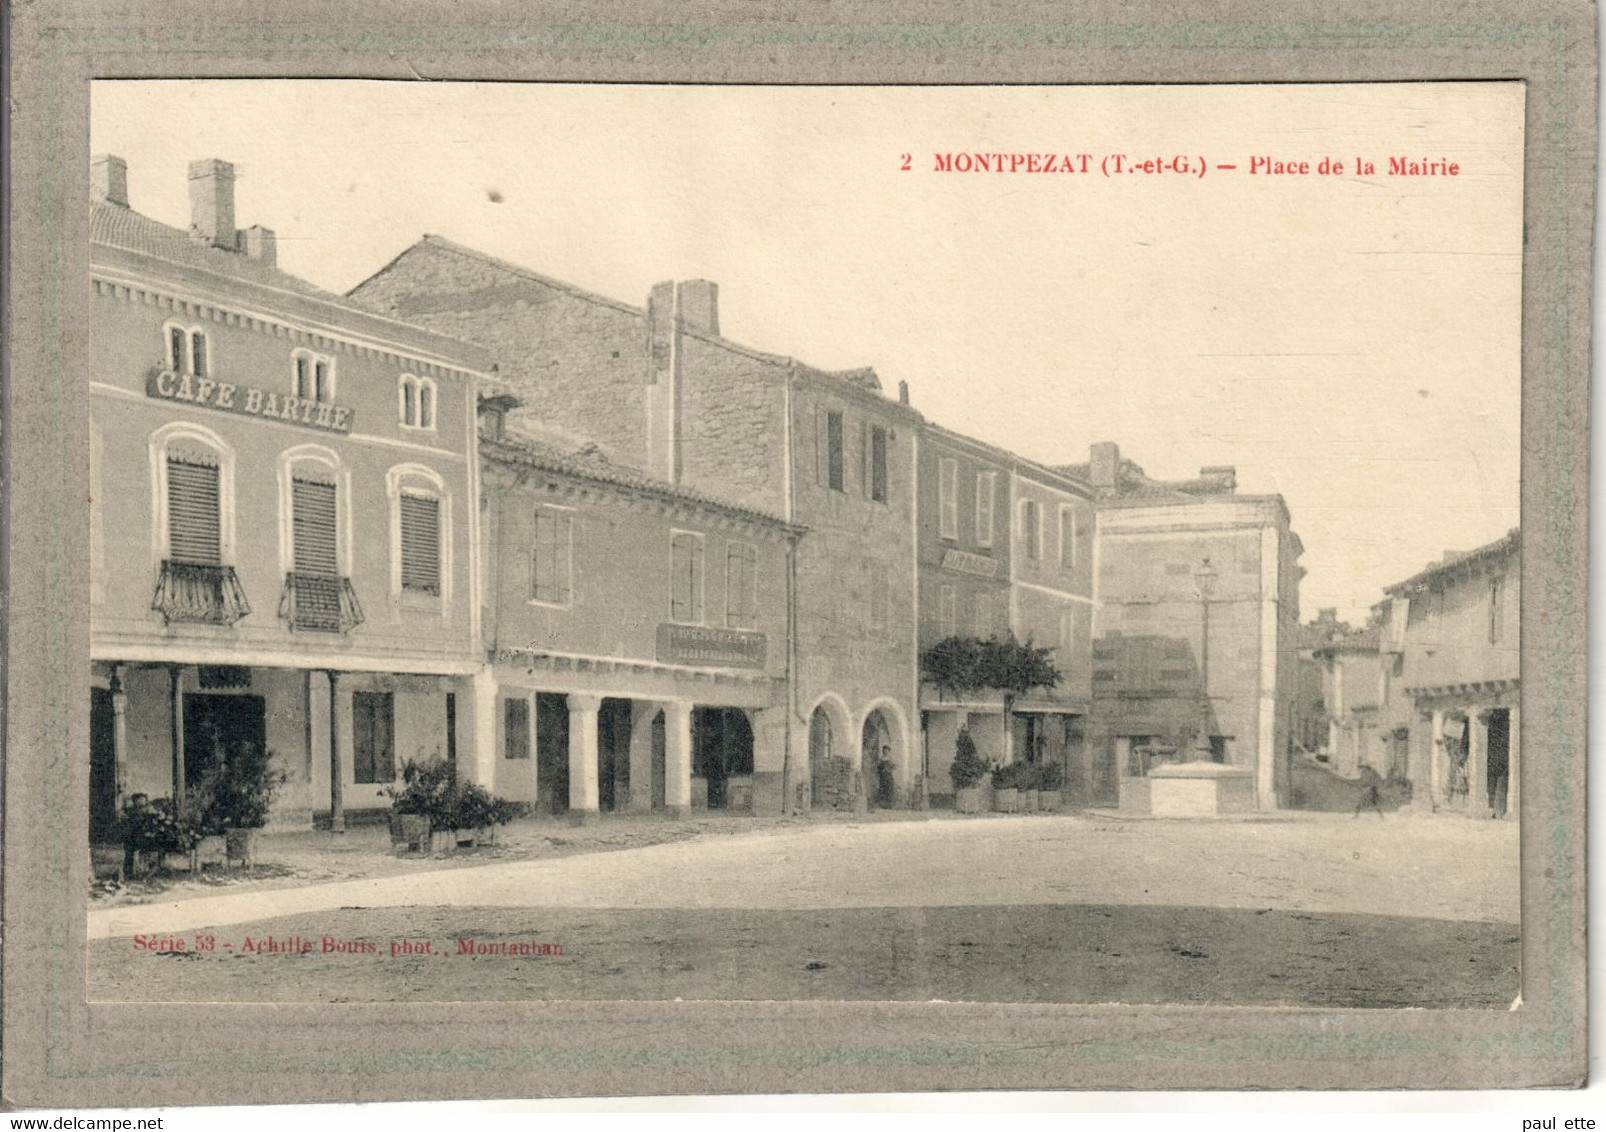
(1204,582)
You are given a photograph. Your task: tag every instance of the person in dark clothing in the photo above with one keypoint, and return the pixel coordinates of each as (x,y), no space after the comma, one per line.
(1371,792)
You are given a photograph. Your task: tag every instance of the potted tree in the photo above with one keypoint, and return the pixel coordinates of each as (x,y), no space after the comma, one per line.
(434,809)
(966,771)
(1007,781)
(152,830)
(1050,782)
(241,798)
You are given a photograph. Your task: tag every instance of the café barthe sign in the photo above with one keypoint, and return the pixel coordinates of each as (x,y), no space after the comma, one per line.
(248,401)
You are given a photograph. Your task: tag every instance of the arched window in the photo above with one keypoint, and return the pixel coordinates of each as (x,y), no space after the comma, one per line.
(187,350)
(416,401)
(420,536)
(315,541)
(312,376)
(192,487)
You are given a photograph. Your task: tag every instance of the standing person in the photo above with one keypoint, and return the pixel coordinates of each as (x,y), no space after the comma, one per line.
(1371,792)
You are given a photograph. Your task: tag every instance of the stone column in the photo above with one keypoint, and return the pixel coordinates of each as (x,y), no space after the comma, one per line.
(1439,777)
(482,753)
(642,713)
(337,767)
(1420,768)
(583,806)
(1478,762)
(769,755)
(677,758)
(120,730)
(1514,764)
(175,675)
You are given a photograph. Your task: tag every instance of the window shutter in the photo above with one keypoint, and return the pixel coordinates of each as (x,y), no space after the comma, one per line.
(819,446)
(193,521)
(679,578)
(864,458)
(321,392)
(420,544)
(516,729)
(201,364)
(176,351)
(313,528)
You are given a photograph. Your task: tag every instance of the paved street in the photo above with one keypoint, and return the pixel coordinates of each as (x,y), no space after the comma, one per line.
(1437,868)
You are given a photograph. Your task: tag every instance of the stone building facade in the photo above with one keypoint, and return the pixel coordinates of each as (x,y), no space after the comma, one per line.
(1195,628)
(283,522)
(1457,658)
(658,389)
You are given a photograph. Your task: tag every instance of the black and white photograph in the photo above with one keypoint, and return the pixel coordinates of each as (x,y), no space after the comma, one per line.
(1022,545)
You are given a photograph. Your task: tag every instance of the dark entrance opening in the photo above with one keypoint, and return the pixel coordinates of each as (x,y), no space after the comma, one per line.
(613,754)
(875,748)
(722,748)
(216,727)
(102,768)
(552,752)
(660,747)
(1499,761)
(821,769)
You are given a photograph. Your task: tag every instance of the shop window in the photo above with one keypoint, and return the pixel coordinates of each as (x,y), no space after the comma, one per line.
(741,585)
(552,558)
(686,578)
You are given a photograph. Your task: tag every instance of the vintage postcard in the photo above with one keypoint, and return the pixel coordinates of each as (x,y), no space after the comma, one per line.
(590,555)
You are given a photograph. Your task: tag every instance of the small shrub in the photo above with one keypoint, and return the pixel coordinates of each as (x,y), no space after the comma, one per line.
(1050,776)
(160,826)
(967,768)
(1012,776)
(431,789)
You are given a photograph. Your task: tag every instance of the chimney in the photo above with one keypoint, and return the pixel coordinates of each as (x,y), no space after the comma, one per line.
(212,203)
(699,305)
(493,413)
(1220,477)
(903,392)
(1104,463)
(260,244)
(108,179)
(662,392)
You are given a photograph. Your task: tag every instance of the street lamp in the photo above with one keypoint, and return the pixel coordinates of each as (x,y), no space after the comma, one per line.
(1204,583)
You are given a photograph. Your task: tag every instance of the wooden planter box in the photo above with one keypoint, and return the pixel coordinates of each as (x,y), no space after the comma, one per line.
(449,841)
(968,800)
(409,833)
(1051,801)
(241,845)
(1028,801)
(1006,800)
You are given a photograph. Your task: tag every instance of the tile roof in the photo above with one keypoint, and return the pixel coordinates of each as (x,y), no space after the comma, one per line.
(588,463)
(1508,544)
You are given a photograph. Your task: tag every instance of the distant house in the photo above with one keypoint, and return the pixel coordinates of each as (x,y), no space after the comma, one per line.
(1451,646)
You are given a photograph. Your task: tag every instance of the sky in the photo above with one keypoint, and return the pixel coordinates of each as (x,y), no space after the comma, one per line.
(1347,340)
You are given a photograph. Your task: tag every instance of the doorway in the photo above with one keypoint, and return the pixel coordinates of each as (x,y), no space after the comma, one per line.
(102,768)
(613,754)
(217,727)
(1499,781)
(552,752)
(722,748)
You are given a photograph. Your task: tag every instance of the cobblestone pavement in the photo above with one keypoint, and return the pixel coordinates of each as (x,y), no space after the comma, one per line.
(1426,867)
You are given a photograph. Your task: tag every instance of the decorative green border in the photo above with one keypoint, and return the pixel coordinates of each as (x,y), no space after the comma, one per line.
(105,1054)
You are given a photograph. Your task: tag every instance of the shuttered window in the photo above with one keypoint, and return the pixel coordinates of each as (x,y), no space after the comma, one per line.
(177,349)
(420,543)
(834,456)
(985,491)
(551,557)
(1031,528)
(200,365)
(314,528)
(516,729)
(373,728)
(193,513)
(741,598)
(686,578)
(1067,538)
(878,464)
(947,499)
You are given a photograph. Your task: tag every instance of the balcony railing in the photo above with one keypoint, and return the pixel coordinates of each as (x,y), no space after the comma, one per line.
(319,604)
(199,592)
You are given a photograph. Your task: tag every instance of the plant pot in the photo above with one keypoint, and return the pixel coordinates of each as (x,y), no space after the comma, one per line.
(241,845)
(211,850)
(967,800)
(443,841)
(1006,800)
(1028,801)
(1051,801)
(409,833)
